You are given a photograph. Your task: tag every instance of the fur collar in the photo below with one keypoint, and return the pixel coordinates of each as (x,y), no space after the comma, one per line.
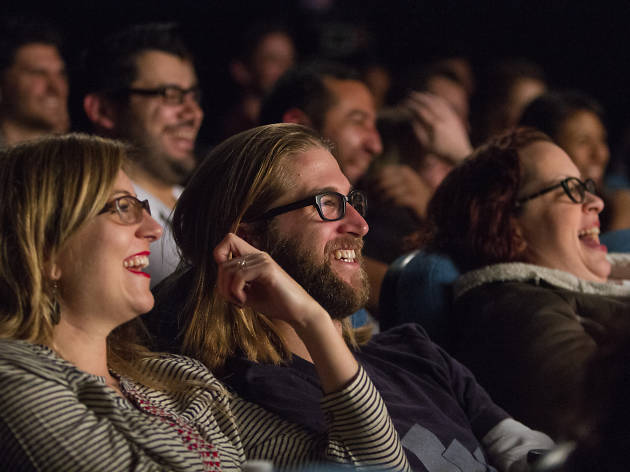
(618,284)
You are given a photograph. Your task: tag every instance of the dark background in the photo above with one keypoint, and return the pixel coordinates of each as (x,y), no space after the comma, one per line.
(580,44)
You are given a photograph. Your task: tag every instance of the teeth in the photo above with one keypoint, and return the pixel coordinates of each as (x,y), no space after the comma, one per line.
(594,231)
(346,255)
(136,262)
(185,135)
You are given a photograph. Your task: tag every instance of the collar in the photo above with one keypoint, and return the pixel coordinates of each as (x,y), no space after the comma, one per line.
(617,285)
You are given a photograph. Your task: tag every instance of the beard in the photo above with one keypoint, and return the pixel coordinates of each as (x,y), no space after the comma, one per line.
(339,298)
(162,166)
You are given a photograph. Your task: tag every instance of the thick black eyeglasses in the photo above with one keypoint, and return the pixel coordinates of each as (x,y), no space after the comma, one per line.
(331,206)
(574,188)
(128,208)
(171,94)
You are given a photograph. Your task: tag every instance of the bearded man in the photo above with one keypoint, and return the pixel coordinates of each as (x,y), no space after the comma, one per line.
(142,88)
(279,188)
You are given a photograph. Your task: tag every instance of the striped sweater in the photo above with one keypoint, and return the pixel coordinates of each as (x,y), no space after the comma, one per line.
(55,417)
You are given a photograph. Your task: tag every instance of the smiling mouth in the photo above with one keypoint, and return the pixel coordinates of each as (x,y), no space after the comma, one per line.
(137,262)
(590,237)
(345,255)
(589,233)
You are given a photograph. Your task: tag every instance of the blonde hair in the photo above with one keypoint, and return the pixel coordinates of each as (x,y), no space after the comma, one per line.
(49,188)
(235,183)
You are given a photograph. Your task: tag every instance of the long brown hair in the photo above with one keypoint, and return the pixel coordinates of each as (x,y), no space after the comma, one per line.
(235,183)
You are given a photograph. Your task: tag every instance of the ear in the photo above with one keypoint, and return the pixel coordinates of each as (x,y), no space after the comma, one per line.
(53,271)
(518,241)
(297,116)
(240,73)
(100,111)
(247,232)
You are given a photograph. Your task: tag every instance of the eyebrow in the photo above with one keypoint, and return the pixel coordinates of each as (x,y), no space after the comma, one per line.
(317,191)
(121,192)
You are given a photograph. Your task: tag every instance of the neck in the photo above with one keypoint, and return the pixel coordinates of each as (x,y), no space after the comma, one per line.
(14,133)
(293,341)
(156,187)
(86,349)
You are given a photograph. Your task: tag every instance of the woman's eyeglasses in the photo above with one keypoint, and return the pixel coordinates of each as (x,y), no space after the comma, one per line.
(574,188)
(331,206)
(128,208)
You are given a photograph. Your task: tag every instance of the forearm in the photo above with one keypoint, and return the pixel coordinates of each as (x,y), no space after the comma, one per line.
(335,364)
(360,432)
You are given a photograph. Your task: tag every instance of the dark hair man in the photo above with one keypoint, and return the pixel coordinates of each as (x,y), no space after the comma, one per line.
(279,188)
(332,100)
(141,86)
(33,81)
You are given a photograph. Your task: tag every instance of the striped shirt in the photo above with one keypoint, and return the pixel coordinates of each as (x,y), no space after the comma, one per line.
(54,416)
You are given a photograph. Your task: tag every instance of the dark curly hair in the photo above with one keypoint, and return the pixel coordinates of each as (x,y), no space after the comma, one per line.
(472,215)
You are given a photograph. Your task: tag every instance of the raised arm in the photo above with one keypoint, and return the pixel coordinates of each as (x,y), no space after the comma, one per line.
(251,277)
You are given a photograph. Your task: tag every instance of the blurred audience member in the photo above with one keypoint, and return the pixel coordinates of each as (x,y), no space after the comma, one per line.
(141,87)
(423,139)
(576,123)
(508,88)
(266,52)
(33,81)
(538,292)
(332,100)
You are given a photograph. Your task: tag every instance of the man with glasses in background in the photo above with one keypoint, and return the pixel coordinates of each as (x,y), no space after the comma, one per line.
(141,87)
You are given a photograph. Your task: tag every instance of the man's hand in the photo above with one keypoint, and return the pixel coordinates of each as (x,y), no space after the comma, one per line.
(437,127)
(249,277)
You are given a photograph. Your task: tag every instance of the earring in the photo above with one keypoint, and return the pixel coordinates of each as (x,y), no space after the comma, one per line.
(55,310)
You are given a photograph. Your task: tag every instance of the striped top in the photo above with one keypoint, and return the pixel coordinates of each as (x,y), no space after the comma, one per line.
(54,416)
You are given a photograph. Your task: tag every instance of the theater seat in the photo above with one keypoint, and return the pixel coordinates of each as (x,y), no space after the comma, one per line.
(417,288)
(616,241)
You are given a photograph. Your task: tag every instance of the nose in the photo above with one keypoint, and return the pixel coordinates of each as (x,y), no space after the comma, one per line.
(373,141)
(191,110)
(353,222)
(149,228)
(593,203)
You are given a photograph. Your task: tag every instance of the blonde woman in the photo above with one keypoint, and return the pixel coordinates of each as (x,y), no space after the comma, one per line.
(78,392)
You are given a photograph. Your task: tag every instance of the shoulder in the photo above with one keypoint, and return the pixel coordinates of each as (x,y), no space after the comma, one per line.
(24,358)
(177,367)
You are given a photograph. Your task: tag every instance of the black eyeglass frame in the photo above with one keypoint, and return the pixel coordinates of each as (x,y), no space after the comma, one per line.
(115,205)
(587,186)
(164,90)
(315,200)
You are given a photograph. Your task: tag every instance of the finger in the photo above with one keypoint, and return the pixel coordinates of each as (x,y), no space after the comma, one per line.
(423,107)
(240,274)
(232,246)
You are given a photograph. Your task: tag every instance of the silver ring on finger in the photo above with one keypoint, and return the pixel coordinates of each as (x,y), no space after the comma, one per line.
(242,264)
